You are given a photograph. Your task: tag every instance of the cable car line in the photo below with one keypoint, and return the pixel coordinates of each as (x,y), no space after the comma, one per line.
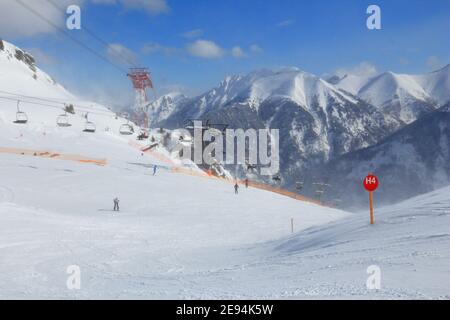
(53,106)
(64,32)
(92,34)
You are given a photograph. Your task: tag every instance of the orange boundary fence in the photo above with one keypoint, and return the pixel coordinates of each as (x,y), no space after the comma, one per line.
(53,155)
(202,174)
(253,184)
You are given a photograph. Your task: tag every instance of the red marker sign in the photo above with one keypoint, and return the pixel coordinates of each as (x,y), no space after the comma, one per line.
(371,184)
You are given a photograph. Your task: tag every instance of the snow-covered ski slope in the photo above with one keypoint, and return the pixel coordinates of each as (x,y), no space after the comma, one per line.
(178,236)
(55,213)
(171,227)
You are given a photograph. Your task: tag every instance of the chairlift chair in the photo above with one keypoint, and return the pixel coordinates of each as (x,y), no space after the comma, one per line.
(21,117)
(126,129)
(89,127)
(63,120)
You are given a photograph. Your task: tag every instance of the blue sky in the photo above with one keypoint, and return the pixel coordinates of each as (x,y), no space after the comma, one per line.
(195,44)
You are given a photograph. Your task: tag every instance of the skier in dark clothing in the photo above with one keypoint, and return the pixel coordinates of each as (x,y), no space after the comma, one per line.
(236,188)
(116,204)
(246,183)
(155,167)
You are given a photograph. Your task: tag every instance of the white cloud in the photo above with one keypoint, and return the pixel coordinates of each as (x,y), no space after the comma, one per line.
(205,49)
(364,69)
(151,6)
(254,48)
(158,48)
(18,21)
(121,54)
(238,53)
(192,33)
(285,23)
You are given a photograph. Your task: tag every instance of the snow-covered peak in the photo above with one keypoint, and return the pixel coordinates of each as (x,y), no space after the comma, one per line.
(390,86)
(350,83)
(256,87)
(301,87)
(406,97)
(19,74)
(437,84)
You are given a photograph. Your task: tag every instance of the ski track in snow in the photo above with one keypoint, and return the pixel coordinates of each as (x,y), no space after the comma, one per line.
(183,246)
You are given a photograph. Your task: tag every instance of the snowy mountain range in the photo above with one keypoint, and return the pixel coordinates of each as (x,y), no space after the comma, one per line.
(406,97)
(318,120)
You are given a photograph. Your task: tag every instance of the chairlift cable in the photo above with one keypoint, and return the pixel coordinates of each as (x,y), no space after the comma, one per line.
(65,33)
(96,37)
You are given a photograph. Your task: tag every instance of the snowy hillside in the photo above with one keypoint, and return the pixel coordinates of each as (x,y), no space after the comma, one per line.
(409,243)
(43,101)
(19,74)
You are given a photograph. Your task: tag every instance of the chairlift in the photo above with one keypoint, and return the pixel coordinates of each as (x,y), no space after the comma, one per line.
(21,117)
(126,129)
(63,120)
(89,126)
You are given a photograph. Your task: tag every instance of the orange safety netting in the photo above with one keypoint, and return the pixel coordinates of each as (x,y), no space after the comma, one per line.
(52,155)
(202,174)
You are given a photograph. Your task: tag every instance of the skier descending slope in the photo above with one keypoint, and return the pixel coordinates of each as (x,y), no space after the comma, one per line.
(236,188)
(155,168)
(116,204)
